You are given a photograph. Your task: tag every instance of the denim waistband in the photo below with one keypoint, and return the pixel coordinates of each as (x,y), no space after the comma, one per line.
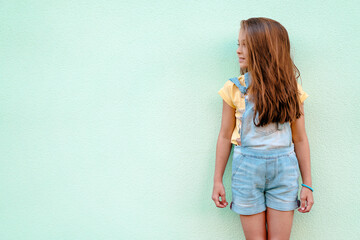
(264,153)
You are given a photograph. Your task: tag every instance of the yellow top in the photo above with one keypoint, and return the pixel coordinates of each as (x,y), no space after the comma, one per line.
(232,96)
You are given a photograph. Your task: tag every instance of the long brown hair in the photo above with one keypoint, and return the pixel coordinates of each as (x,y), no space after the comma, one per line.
(273,84)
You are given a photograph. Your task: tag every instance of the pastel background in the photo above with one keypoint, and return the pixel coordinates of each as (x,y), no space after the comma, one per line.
(109,116)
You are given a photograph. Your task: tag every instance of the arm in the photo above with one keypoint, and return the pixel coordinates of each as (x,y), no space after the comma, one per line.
(301,145)
(223,146)
(302,150)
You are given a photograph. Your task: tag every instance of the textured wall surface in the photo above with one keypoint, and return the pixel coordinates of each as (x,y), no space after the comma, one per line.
(109,116)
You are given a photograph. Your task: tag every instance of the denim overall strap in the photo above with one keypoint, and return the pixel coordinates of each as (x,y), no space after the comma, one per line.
(243,90)
(236,81)
(272,135)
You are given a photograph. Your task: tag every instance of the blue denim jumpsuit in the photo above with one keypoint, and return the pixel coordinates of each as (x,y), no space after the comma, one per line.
(265,168)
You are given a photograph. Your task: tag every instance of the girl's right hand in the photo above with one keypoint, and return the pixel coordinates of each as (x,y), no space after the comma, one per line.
(219,191)
(238,141)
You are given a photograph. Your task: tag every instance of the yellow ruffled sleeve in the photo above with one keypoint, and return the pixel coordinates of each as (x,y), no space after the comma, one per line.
(226,92)
(303,94)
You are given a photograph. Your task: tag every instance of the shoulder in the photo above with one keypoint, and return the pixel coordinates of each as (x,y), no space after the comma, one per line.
(299,87)
(231,83)
(229,90)
(242,80)
(302,93)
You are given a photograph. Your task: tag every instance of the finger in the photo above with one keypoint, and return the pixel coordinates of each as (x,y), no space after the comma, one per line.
(309,205)
(222,203)
(302,206)
(223,199)
(218,203)
(238,141)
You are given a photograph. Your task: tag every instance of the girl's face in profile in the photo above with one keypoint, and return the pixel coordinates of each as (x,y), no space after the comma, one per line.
(242,50)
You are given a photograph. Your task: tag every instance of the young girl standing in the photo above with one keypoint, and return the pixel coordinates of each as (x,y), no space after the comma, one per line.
(263,116)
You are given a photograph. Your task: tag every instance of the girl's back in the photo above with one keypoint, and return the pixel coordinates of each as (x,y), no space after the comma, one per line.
(272,135)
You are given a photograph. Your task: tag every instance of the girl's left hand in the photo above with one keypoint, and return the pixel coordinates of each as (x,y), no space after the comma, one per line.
(306,195)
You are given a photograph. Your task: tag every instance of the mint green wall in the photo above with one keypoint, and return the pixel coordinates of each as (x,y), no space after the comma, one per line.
(110,116)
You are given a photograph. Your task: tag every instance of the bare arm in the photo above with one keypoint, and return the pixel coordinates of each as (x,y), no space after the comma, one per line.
(302,149)
(223,146)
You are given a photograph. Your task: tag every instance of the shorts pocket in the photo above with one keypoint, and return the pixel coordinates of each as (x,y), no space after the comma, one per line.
(293,158)
(294,162)
(237,162)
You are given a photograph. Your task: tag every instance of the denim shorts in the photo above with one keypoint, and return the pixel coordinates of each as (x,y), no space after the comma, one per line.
(264,178)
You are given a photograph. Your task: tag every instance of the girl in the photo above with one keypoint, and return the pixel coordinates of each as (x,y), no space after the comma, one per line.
(263,116)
